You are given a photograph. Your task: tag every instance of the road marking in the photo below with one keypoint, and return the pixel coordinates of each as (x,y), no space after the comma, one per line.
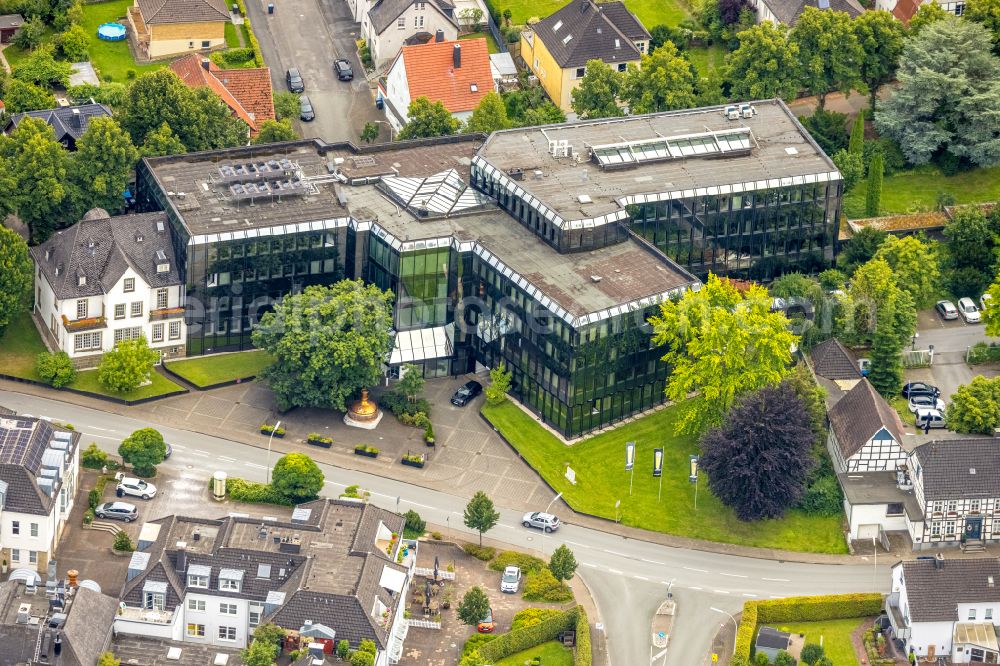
(113,439)
(657,656)
(199,452)
(698,570)
(614,552)
(101,429)
(588,564)
(643,559)
(776,580)
(227,459)
(178,447)
(255,465)
(723,573)
(749,594)
(639,577)
(615,571)
(721,591)
(575,543)
(696,588)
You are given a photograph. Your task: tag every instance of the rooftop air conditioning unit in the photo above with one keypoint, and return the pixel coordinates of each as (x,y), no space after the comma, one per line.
(732,112)
(747,111)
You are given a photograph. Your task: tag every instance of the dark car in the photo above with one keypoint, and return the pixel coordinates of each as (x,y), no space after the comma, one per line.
(920,388)
(343,70)
(294,81)
(117,511)
(466,393)
(306,109)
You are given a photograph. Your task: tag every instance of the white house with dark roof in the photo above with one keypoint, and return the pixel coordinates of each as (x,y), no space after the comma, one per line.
(388,25)
(107,279)
(68,122)
(39,477)
(946,608)
(788,11)
(865,432)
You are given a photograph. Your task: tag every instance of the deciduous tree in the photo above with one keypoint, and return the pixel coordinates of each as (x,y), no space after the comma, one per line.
(927,14)
(23,96)
(259,654)
(722,345)
(328,342)
(42,69)
(765,64)
(73,43)
(369,132)
(474,606)
(427,119)
(881,38)
(758,460)
(597,94)
(829,53)
(987,14)
(562,564)
(480,515)
(31,34)
(411,384)
(852,168)
(286,105)
(489,116)
(39,166)
(272,131)
(499,385)
(915,265)
(861,247)
(162,141)
(975,407)
(297,477)
(664,82)
(144,449)
(16,272)
(102,165)
(127,365)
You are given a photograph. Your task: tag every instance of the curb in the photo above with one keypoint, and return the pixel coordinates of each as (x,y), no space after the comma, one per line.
(99,396)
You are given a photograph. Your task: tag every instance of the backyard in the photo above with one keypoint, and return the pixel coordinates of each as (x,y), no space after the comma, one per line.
(549,654)
(917,190)
(601,480)
(209,370)
(834,635)
(491,44)
(650,12)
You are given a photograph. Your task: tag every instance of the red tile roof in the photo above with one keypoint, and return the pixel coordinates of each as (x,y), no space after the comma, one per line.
(246,91)
(431,73)
(905,9)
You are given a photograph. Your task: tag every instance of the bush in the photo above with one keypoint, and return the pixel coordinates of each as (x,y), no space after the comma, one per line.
(822,497)
(267,429)
(522,639)
(811,653)
(529,617)
(529,564)
(543,586)
(415,525)
(354,492)
(403,409)
(56,370)
(584,652)
(984,353)
(93,498)
(242,490)
(475,642)
(88,516)
(362,659)
(484,553)
(123,542)
(93,458)
(319,439)
(367,448)
(343,649)
(437,536)
(297,477)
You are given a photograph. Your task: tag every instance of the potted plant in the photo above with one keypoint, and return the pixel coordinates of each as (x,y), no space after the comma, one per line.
(4,569)
(446,600)
(411,460)
(268,430)
(366,451)
(317,439)
(429,435)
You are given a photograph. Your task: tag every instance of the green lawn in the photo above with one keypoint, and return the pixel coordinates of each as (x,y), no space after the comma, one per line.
(112,59)
(209,370)
(707,57)
(232,36)
(551,653)
(902,408)
(19,346)
(160,385)
(650,12)
(601,480)
(917,190)
(836,636)
(491,44)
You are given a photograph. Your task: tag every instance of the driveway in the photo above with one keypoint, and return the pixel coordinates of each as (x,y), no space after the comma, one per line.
(951,340)
(310,35)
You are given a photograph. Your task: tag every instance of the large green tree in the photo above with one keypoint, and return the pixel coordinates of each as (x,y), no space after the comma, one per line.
(881,38)
(597,94)
(297,477)
(162,141)
(328,342)
(563,563)
(144,449)
(39,165)
(42,69)
(473,606)
(73,43)
(259,654)
(829,53)
(480,514)
(949,86)
(23,96)
(664,82)
(722,345)
(927,14)
(915,265)
(490,115)
(986,13)
(127,365)
(972,240)
(861,247)
(975,407)
(102,165)
(427,119)
(15,275)
(286,105)
(765,64)
(876,301)
(273,131)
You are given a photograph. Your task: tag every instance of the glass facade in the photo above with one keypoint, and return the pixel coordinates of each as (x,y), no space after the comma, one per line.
(424,280)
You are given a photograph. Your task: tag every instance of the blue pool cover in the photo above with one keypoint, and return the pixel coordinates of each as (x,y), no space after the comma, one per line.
(111,32)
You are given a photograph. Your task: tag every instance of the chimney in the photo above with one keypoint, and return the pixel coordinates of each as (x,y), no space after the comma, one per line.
(939,561)
(457,56)
(72,574)
(439,36)
(181,557)
(77,119)
(205,63)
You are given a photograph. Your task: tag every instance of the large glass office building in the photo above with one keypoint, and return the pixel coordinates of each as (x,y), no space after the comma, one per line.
(546,249)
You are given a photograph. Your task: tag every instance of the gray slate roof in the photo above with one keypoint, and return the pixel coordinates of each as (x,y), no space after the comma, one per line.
(768,637)
(385,12)
(88,627)
(11,21)
(102,248)
(594,33)
(933,594)
(788,11)
(183,11)
(833,360)
(67,121)
(860,414)
(960,468)
(23,440)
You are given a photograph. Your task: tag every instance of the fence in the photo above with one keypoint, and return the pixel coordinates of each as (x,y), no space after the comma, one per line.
(495,31)
(423,624)
(918,358)
(428,572)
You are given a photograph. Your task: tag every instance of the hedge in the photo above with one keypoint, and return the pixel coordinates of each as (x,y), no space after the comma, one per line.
(800,609)
(242,490)
(584,654)
(528,564)
(254,44)
(521,639)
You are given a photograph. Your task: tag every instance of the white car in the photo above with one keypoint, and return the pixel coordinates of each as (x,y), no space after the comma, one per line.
(541,520)
(984,301)
(925,402)
(934,416)
(129,485)
(968,310)
(510,581)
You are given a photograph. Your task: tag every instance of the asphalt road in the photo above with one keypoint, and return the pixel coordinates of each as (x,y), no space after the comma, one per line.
(629,577)
(310,35)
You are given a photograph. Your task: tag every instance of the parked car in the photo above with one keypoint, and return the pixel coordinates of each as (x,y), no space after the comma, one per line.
(168,451)
(947,310)
(864,366)
(117,511)
(486,625)
(936,418)
(466,393)
(968,310)
(294,81)
(129,485)
(343,70)
(541,520)
(922,401)
(306,112)
(984,301)
(920,388)
(510,581)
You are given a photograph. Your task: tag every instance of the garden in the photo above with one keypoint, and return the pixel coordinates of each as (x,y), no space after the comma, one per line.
(921,188)
(220,368)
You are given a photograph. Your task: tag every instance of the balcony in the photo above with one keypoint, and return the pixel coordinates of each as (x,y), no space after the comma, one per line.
(165,313)
(86,324)
(147,615)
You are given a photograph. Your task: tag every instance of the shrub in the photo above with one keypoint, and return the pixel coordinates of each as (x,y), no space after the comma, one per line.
(319,439)
(93,498)
(267,429)
(56,370)
(475,642)
(543,586)
(88,516)
(297,477)
(983,353)
(437,536)
(521,639)
(354,492)
(406,410)
(123,542)
(362,659)
(367,448)
(415,525)
(367,645)
(93,458)
(242,490)
(529,617)
(484,553)
(584,652)
(343,649)
(529,564)
(811,653)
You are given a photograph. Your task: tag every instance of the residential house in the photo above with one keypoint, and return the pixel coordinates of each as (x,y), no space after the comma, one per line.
(788,11)
(833,361)
(770,641)
(109,279)
(905,9)
(865,432)
(391,24)
(946,609)
(68,122)
(558,47)
(164,28)
(39,476)
(9,25)
(336,570)
(455,73)
(246,91)
(67,624)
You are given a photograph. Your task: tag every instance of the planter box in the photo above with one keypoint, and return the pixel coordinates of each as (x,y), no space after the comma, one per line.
(412,463)
(366,454)
(429,442)
(315,442)
(279,435)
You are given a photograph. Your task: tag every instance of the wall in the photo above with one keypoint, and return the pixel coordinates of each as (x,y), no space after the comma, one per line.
(873,514)
(397,90)
(544,66)
(386,46)
(212,619)
(172,38)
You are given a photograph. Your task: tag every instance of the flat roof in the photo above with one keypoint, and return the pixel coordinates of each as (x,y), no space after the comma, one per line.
(862,488)
(780,148)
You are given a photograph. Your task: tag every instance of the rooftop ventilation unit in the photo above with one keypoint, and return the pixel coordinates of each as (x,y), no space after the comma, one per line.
(585,199)
(748,111)
(732,112)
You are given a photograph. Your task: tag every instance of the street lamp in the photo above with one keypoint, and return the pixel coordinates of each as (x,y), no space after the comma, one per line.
(735,625)
(544,533)
(268,472)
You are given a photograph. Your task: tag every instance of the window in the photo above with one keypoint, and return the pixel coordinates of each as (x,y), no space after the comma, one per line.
(227,609)
(227,633)
(154,600)
(119,311)
(15,527)
(205,43)
(196,630)
(641,46)
(401,23)
(229,584)
(580,71)
(952,506)
(894,509)
(420,6)
(937,507)
(536,63)
(959,10)
(133,333)
(974,506)
(129,285)
(175,330)
(34,529)
(988,615)
(81,308)
(87,341)
(15,554)
(161,298)
(136,309)
(255,613)
(972,613)
(949,527)
(936,528)
(197,581)
(158,332)
(32,557)
(622,67)
(418,21)
(196,605)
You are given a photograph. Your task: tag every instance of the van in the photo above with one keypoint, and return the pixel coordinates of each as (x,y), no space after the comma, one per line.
(934,416)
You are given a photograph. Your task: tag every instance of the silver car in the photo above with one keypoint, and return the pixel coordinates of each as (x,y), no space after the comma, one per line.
(117,511)
(925,402)
(541,520)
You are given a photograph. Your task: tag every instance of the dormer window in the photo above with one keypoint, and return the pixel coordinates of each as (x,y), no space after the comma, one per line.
(81,280)
(230,580)
(162,265)
(198,576)
(48,253)
(138,237)
(556,27)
